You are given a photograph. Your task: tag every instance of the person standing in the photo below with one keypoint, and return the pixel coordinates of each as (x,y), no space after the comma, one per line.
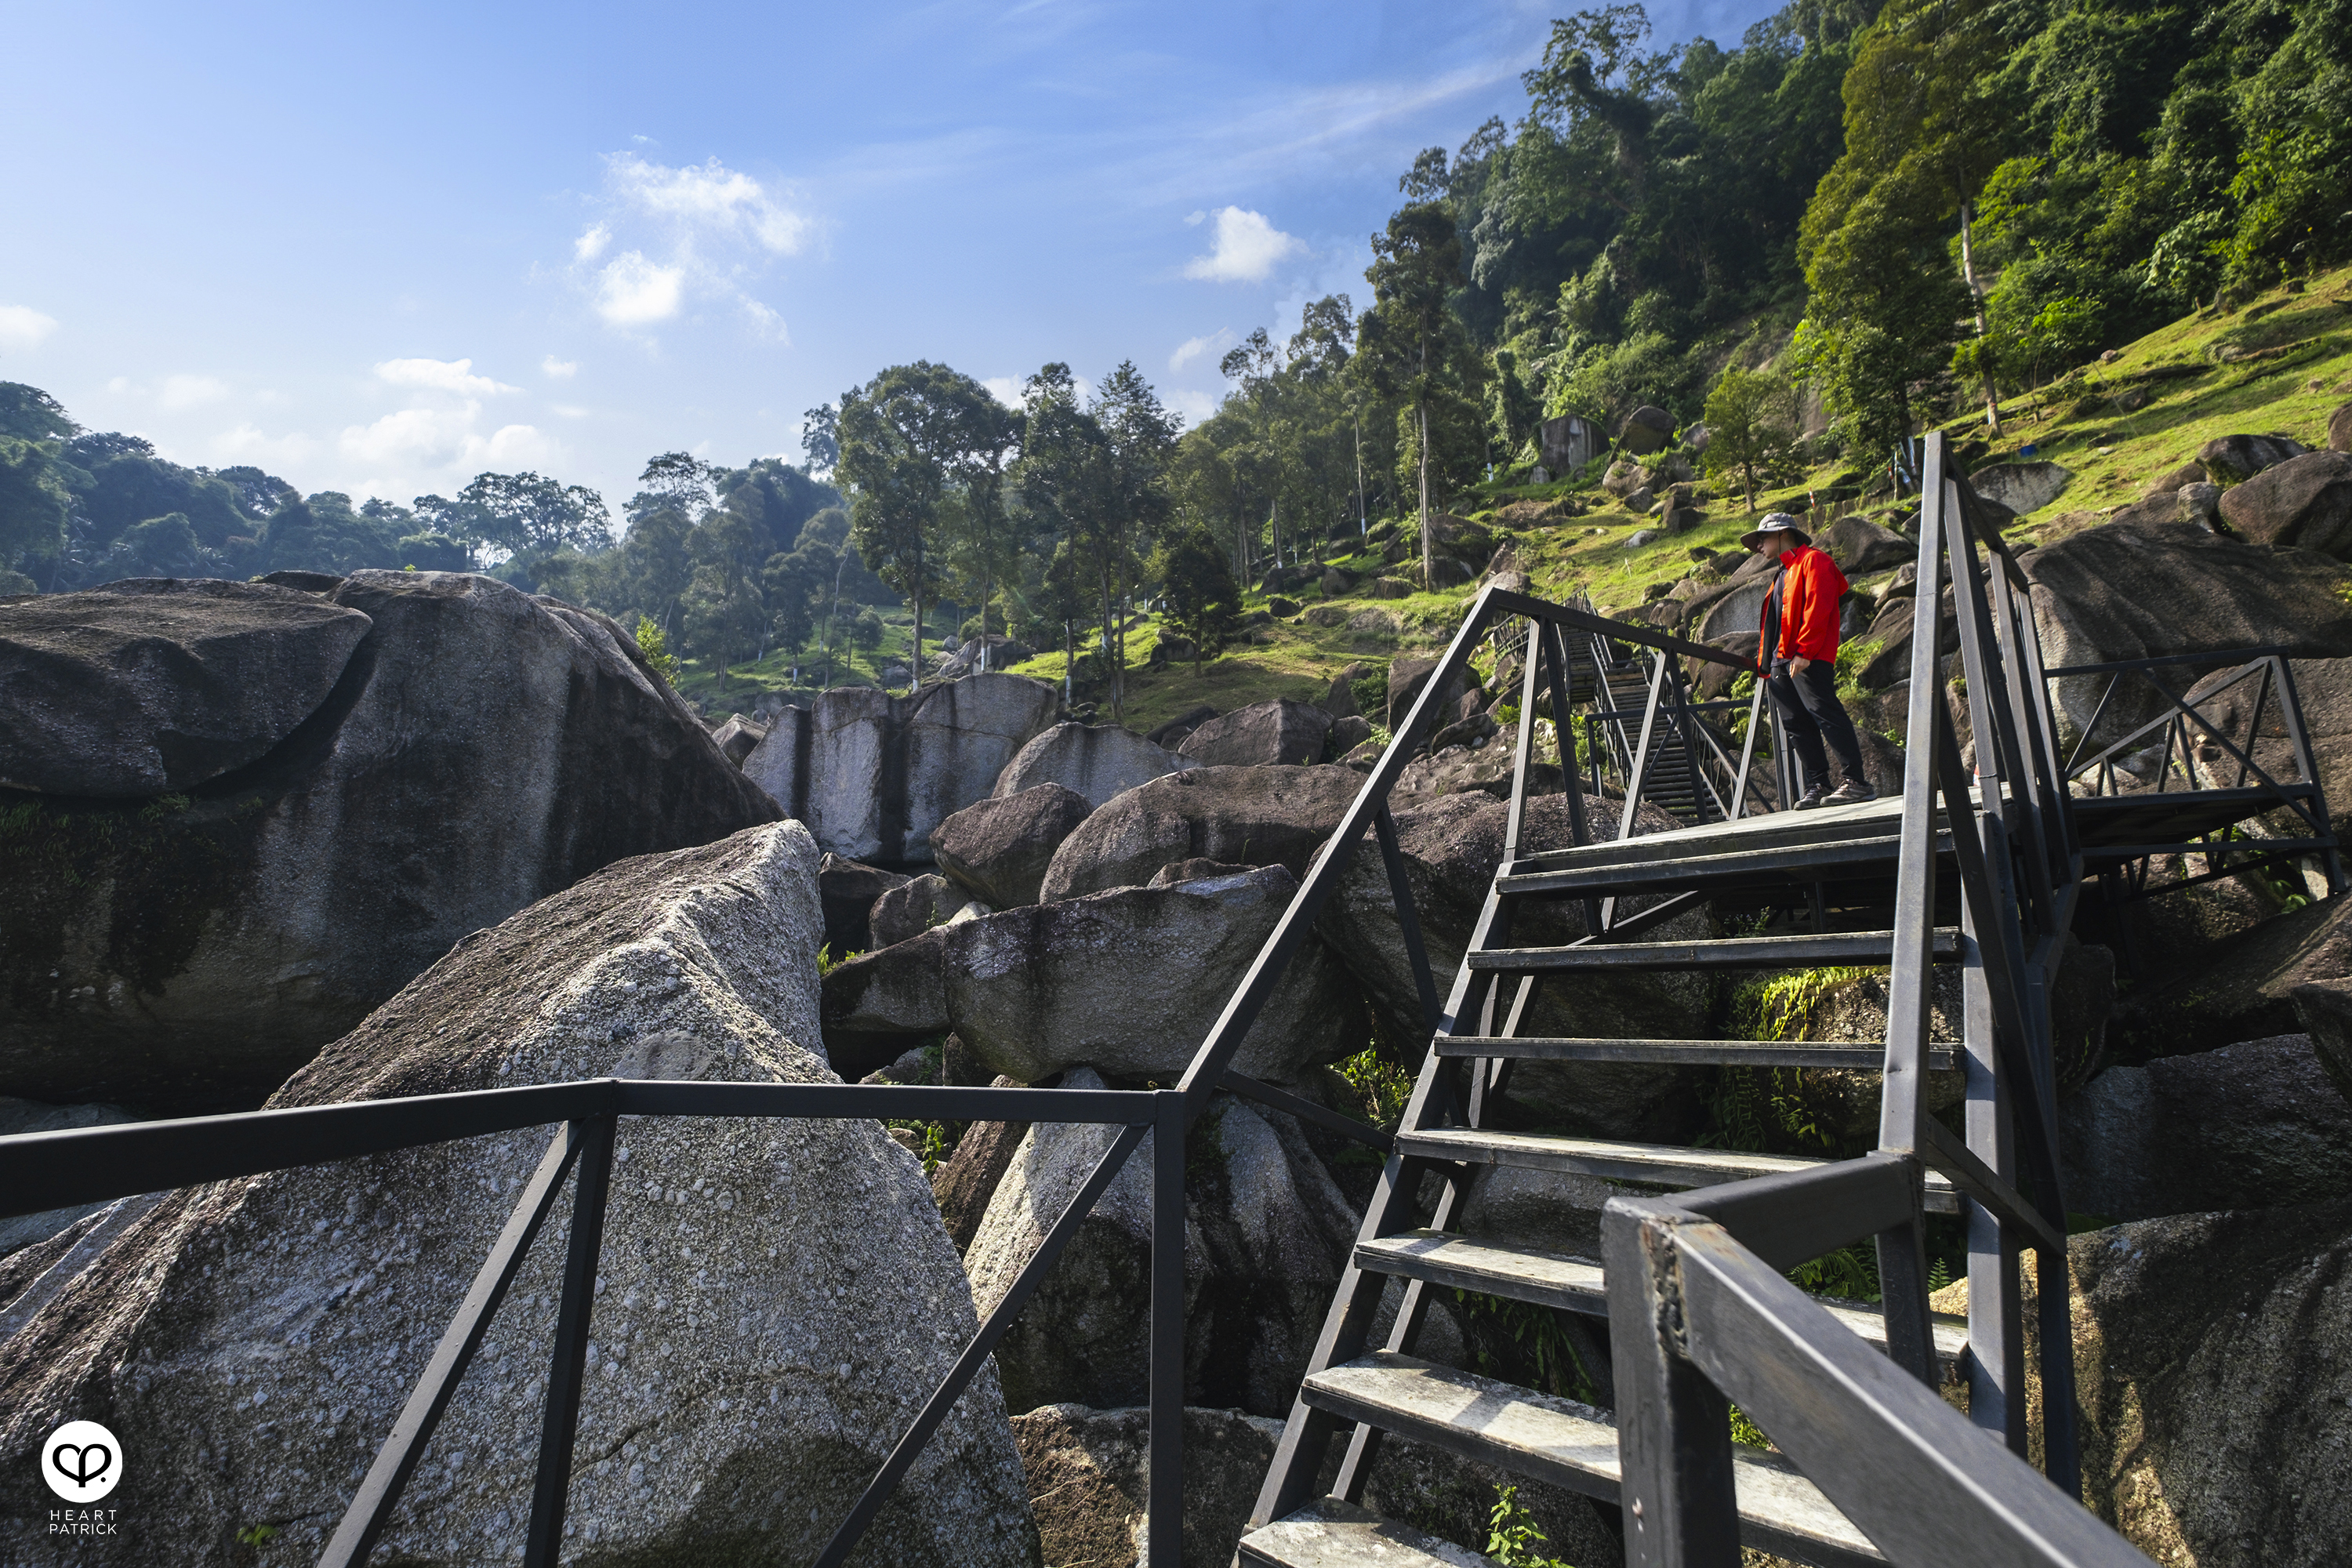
(1796,657)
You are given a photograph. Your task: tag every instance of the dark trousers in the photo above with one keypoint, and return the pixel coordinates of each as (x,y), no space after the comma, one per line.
(1809,712)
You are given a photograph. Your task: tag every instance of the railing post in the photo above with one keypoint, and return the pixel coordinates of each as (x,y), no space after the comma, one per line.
(2291,704)
(562,1423)
(1674,1426)
(1165,1501)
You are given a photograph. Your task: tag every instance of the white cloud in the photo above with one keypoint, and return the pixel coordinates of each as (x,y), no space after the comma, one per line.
(569,410)
(708,196)
(440,376)
(191,391)
(1192,349)
(631,292)
(767,322)
(22,327)
(1244,249)
(1192,219)
(423,439)
(1004,389)
(560,369)
(249,443)
(592,242)
(1195,407)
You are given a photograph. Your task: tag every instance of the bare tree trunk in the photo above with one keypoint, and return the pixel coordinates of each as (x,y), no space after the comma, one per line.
(1362,527)
(1428,545)
(1976,303)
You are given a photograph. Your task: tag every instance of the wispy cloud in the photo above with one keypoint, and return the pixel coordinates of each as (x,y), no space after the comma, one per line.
(698,231)
(440,376)
(1245,248)
(707,198)
(560,369)
(22,327)
(1192,349)
(180,392)
(631,292)
(592,242)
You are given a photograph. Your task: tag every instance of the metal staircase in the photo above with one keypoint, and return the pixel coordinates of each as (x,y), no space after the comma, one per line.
(1868,1465)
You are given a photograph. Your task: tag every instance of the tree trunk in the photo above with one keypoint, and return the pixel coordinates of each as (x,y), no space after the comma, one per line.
(1428,547)
(1976,303)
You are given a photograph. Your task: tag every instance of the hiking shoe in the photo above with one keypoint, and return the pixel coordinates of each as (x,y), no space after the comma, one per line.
(1810,799)
(1853,792)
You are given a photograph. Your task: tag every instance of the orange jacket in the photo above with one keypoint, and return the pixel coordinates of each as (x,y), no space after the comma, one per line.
(1802,609)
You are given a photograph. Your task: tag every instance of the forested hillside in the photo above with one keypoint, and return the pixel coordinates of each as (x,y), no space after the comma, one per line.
(1861,222)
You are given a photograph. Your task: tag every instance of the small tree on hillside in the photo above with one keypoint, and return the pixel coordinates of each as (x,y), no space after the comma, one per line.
(866,635)
(1748,416)
(1200,589)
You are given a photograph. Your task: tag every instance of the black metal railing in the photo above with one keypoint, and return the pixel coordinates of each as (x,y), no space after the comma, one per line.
(2204,743)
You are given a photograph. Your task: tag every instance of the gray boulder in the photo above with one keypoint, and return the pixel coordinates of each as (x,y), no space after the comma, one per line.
(777,1299)
(1451,847)
(1348,733)
(1190,719)
(2250,1125)
(2324,692)
(2022,487)
(1408,673)
(1740,608)
(873,775)
(2234,460)
(913,907)
(1193,870)
(480,749)
(1096,760)
(1000,847)
(1266,1235)
(2339,430)
(993,651)
(1274,733)
(2325,1007)
(1860,546)
(1255,817)
(739,737)
(155,684)
(1129,981)
(2140,592)
(1645,430)
(2305,502)
(2238,988)
(1486,771)
(848,889)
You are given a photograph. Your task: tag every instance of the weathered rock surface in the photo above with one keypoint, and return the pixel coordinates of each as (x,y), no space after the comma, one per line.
(2324,692)
(1860,546)
(914,906)
(480,749)
(1274,733)
(999,847)
(150,686)
(739,737)
(1408,673)
(848,889)
(1096,760)
(2305,502)
(1129,981)
(1255,817)
(2233,459)
(1463,771)
(873,775)
(2125,592)
(2324,1008)
(2249,1125)
(2022,487)
(1265,1236)
(967,1179)
(2213,1363)
(1645,430)
(1451,847)
(1190,719)
(777,1298)
(2339,430)
(1087,1474)
(2240,988)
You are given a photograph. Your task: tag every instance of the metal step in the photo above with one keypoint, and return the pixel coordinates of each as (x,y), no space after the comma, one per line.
(1788,864)
(1572,1446)
(1798,951)
(1330,1533)
(1657,1164)
(1870,820)
(1861,1055)
(1560,1279)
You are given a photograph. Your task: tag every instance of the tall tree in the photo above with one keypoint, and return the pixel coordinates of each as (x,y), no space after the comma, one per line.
(1201,593)
(1409,339)
(1063,476)
(1139,442)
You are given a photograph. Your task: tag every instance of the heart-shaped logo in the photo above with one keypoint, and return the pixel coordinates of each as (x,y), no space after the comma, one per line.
(83,1461)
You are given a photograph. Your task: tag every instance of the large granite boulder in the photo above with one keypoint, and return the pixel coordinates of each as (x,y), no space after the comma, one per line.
(1860,547)
(31,1116)
(2213,1366)
(1095,760)
(1408,673)
(2339,430)
(1000,847)
(1279,733)
(1266,1235)
(776,1299)
(2323,689)
(2234,460)
(1128,979)
(2325,1007)
(2144,592)
(873,775)
(2022,487)
(479,749)
(1645,430)
(1251,816)
(2249,1125)
(153,685)
(2240,988)
(1451,847)
(2305,502)
(914,906)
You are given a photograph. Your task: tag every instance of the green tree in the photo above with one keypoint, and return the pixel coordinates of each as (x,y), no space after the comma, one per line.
(1201,594)
(34,503)
(1748,416)
(1409,341)
(656,647)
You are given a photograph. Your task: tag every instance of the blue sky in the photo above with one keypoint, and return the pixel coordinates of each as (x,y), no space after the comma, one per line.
(381,250)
